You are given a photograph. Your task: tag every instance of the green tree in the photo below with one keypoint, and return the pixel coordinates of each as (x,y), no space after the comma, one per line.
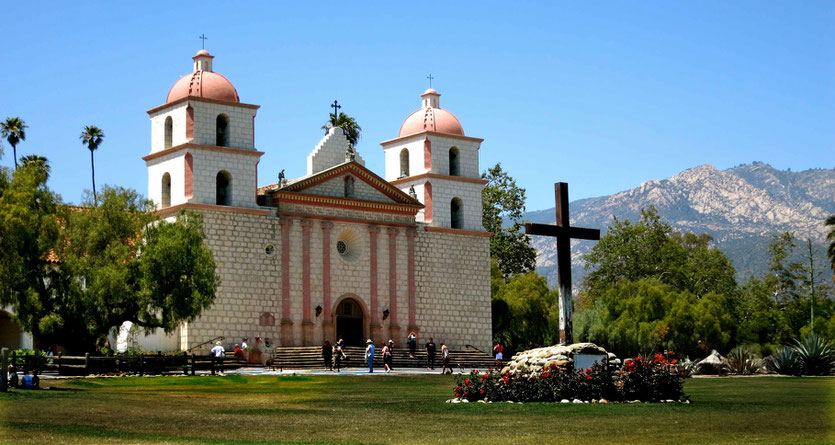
(92,137)
(29,231)
(37,160)
(71,275)
(638,317)
(154,273)
(830,222)
(524,310)
(352,130)
(14,131)
(503,200)
(650,249)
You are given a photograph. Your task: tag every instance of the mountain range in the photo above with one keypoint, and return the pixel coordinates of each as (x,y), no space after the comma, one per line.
(741,208)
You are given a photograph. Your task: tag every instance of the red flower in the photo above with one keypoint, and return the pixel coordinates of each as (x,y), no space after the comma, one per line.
(675,360)
(546,375)
(588,377)
(482,391)
(466,381)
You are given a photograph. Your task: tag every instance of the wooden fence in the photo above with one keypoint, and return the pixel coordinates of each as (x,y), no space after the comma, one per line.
(150,364)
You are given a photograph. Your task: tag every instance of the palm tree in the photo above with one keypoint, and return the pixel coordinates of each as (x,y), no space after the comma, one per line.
(36,160)
(14,130)
(92,137)
(831,237)
(347,123)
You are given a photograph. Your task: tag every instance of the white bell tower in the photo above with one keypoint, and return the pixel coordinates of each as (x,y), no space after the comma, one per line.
(203,143)
(433,157)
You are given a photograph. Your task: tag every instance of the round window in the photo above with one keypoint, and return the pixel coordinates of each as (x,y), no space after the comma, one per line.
(347,245)
(342,247)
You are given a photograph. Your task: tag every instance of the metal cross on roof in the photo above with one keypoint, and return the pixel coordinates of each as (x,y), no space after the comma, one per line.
(203,38)
(336,108)
(430,79)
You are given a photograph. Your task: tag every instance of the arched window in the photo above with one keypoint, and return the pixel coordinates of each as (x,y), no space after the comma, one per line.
(349,186)
(404,163)
(166,190)
(454,162)
(223,188)
(456,212)
(169,131)
(222,130)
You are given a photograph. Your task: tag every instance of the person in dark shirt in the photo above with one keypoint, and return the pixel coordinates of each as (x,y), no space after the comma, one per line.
(430,354)
(327,355)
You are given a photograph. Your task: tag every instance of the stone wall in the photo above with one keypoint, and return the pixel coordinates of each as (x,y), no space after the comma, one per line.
(453,282)
(330,151)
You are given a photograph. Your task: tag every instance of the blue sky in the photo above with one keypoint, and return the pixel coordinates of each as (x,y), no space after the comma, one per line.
(603,96)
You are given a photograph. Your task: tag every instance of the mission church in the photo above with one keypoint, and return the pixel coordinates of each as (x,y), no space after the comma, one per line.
(340,252)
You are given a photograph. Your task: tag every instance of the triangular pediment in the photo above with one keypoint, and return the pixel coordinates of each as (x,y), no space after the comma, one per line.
(365,186)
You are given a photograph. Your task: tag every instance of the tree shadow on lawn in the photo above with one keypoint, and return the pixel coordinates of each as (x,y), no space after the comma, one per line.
(97,432)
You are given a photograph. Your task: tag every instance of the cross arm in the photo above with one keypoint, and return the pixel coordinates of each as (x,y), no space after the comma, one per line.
(557,231)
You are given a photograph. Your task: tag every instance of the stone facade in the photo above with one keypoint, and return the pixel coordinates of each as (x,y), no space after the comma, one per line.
(340,232)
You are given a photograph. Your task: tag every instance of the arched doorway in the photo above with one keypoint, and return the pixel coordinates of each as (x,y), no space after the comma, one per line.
(9,332)
(350,322)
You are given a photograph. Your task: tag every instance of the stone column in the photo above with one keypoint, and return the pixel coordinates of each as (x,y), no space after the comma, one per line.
(307,322)
(328,327)
(376,327)
(410,253)
(286,319)
(394,328)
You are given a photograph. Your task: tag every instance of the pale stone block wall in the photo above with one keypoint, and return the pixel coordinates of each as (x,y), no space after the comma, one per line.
(240,126)
(392,158)
(250,279)
(453,279)
(468,156)
(242,170)
(174,165)
(443,191)
(178,134)
(336,187)
(330,151)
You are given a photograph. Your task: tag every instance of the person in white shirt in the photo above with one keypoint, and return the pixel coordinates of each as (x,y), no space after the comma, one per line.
(218,350)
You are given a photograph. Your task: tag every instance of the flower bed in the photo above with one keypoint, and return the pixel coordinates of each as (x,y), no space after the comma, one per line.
(655,379)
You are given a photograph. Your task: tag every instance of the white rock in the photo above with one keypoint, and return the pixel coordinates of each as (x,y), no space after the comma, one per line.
(576,401)
(565,401)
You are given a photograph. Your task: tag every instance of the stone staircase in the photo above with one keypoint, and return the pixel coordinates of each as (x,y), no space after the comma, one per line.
(310,357)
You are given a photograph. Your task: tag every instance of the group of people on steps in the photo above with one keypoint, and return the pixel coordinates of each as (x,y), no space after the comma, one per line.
(334,355)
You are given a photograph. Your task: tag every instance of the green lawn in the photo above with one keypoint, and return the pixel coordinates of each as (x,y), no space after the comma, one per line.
(403,409)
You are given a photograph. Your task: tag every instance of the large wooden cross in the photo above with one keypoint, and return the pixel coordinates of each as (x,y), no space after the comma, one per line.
(564,233)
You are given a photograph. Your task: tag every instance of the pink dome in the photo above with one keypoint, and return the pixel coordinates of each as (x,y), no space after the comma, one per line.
(431,119)
(205,84)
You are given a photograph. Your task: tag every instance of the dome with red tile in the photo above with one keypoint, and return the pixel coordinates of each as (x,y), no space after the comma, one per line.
(203,82)
(430,117)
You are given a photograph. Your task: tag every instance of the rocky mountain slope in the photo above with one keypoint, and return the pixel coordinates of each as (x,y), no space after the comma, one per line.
(741,207)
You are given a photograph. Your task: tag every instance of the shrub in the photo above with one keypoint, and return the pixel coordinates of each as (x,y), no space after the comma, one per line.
(659,378)
(742,361)
(815,356)
(784,361)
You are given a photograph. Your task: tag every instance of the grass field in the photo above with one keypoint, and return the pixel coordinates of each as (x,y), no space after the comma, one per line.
(403,409)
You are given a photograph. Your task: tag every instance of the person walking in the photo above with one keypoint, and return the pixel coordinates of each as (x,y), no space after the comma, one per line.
(369,355)
(338,356)
(498,350)
(429,347)
(445,358)
(327,355)
(391,354)
(387,357)
(412,341)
